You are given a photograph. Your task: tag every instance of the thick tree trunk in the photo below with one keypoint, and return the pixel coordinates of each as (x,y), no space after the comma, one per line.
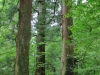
(23,38)
(40,59)
(67,48)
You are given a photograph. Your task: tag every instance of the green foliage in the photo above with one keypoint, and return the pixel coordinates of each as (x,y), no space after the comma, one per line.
(86,31)
(7,37)
(85,34)
(53,50)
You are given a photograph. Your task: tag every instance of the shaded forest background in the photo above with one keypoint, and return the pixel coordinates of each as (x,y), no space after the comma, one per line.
(46,31)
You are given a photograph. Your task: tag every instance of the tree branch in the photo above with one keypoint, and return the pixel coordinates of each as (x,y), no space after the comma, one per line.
(53,12)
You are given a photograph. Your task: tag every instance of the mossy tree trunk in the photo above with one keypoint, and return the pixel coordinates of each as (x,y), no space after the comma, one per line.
(23,38)
(67,49)
(40,59)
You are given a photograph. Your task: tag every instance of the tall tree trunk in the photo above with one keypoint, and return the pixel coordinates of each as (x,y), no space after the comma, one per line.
(23,38)
(40,59)
(67,48)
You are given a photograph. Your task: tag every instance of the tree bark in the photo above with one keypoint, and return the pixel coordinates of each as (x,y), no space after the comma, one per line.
(67,48)
(23,38)
(40,59)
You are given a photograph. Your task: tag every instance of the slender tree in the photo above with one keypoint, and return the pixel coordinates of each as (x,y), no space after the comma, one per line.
(67,48)
(40,59)
(23,38)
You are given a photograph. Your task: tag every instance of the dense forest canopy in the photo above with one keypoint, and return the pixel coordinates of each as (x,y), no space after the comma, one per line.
(49,37)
